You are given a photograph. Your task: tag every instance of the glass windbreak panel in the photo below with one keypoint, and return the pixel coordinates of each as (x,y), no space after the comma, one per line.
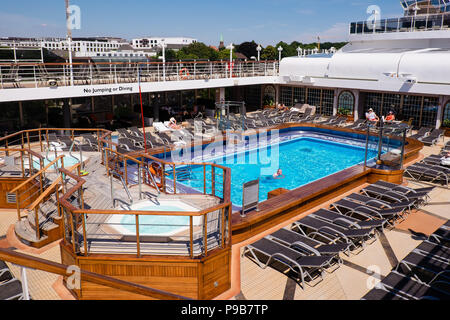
(430,111)
(381,26)
(406,23)
(434,22)
(346,103)
(412,106)
(353,28)
(299,96)
(359,27)
(368,27)
(327,102)
(392,25)
(420,23)
(446,22)
(286,96)
(446,116)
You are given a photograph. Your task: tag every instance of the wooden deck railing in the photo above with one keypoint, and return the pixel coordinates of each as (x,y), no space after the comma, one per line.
(74,213)
(31,262)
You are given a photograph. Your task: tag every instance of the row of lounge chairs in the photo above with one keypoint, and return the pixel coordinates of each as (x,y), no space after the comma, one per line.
(429,136)
(429,170)
(10,287)
(313,244)
(88,143)
(423,275)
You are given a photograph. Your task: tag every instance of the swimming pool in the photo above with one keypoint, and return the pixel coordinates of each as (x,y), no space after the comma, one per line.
(69,161)
(303,160)
(156,225)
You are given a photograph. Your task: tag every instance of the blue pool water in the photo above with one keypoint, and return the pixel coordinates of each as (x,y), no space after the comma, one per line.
(302,160)
(156,225)
(68,162)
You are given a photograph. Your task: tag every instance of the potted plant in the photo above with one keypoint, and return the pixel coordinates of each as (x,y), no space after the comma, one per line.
(446,127)
(268,102)
(343,112)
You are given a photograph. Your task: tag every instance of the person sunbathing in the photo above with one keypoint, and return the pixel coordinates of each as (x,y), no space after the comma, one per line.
(390,117)
(174,125)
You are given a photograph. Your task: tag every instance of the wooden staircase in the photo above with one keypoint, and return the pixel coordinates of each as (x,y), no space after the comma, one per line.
(49,223)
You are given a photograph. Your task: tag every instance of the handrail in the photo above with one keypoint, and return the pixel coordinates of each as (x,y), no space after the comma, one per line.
(36,175)
(48,191)
(135,63)
(61,269)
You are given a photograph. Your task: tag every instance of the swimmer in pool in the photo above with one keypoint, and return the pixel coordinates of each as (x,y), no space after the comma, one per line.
(278,175)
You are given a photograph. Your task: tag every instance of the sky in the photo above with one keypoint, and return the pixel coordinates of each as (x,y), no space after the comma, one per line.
(264,21)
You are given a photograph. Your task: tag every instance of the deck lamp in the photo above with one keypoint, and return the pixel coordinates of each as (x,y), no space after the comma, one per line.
(259,49)
(280,49)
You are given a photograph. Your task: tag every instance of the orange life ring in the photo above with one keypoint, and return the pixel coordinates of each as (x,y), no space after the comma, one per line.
(157,171)
(184,73)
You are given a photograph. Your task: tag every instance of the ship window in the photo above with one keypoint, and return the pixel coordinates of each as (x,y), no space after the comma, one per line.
(446,117)
(346,103)
(429,111)
(286,96)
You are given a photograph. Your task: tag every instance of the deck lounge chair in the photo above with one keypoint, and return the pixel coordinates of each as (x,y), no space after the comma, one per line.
(380,294)
(352,208)
(130,145)
(410,289)
(423,132)
(152,140)
(310,226)
(436,250)
(402,189)
(339,122)
(393,196)
(357,124)
(330,120)
(302,266)
(433,137)
(125,134)
(295,240)
(5,273)
(11,290)
(303,118)
(90,140)
(442,235)
(347,222)
(424,268)
(380,204)
(428,173)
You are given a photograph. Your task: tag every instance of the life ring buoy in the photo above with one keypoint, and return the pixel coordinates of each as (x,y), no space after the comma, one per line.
(230,65)
(157,171)
(184,73)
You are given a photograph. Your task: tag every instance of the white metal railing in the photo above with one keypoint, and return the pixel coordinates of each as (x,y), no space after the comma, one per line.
(34,75)
(404,24)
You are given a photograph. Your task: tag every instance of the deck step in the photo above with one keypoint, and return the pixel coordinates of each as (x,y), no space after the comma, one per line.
(27,234)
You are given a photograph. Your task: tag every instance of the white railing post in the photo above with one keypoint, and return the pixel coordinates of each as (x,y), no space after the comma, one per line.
(90,71)
(159,76)
(35,79)
(64,75)
(210,70)
(1,77)
(195,70)
(115,73)
(26,294)
(178,72)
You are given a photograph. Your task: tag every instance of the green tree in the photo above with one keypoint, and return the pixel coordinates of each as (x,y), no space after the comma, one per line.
(288,51)
(198,50)
(225,55)
(248,49)
(269,53)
